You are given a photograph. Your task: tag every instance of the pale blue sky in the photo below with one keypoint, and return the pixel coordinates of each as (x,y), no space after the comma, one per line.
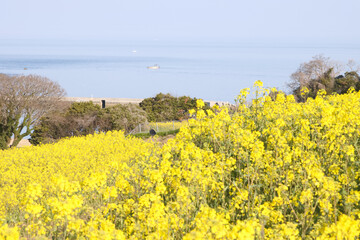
(259,20)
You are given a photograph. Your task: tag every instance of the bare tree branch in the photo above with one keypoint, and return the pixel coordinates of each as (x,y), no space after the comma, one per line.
(23,101)
(313,69)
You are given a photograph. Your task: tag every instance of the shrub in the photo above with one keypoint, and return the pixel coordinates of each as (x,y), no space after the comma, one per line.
(164,107)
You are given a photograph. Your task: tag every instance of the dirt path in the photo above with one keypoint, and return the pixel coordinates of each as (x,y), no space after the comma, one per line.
(161,140)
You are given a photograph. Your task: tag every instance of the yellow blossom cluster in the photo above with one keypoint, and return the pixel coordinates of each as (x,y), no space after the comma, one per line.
(274,169)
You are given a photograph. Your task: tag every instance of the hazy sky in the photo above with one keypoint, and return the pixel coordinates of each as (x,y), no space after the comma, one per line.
(185,19)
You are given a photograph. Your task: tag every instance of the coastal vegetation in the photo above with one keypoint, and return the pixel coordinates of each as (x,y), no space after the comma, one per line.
(82,118)
(322,73)
(274,169)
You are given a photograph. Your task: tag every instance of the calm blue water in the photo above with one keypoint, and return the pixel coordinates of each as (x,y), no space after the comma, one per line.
(212,71)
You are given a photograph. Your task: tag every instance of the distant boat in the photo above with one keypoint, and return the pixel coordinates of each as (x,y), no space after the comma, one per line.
(25,68)
(134,51)
(154,67)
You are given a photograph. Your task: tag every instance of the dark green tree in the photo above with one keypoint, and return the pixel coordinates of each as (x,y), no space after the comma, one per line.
(165,107)
(346,81)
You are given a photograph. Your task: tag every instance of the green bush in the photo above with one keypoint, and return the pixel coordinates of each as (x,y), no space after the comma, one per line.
(165,107)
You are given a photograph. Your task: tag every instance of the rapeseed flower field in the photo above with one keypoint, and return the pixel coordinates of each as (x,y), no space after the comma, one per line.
(275,169)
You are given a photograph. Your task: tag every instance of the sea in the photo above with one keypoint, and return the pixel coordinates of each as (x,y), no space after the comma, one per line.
(202,69)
